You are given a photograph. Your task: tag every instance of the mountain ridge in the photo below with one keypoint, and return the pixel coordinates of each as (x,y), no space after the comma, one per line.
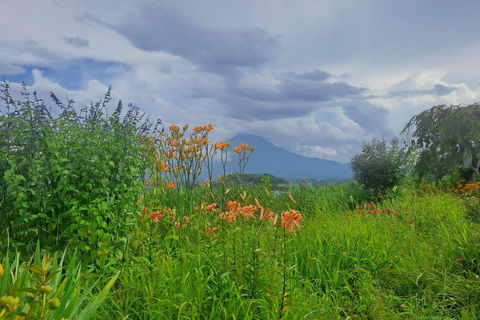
(268,158)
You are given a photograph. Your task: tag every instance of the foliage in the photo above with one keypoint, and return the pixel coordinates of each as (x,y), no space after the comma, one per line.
(379,165)
(447,140)
(68,176)
(45,290)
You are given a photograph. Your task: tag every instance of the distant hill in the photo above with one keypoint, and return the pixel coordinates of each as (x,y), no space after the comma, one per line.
(271,159)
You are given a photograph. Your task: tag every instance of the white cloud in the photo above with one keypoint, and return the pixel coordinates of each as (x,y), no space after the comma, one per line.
(9,69)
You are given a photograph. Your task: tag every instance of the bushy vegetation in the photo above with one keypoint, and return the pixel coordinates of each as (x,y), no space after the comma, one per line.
(68,176)
(379,165)
(179,249)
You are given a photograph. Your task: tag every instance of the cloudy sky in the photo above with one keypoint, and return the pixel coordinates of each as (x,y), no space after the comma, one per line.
(313,77)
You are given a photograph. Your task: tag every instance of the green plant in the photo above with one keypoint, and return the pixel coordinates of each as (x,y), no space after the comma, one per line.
(379,164)
(68,176)
(45,290)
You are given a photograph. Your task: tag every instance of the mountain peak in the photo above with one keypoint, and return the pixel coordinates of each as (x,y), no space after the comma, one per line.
(268,158)
(249,138)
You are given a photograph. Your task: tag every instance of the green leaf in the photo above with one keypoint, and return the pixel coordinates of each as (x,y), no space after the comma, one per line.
(88,312)
(38,270)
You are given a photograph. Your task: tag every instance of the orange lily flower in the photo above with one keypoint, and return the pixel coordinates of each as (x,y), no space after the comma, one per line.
(247,212)
(291,219)
(156,216)
(174,127)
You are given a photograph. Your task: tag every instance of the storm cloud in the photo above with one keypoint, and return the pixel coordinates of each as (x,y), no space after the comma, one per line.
(163,29)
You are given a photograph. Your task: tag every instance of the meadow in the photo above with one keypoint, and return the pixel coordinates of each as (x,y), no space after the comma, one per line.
(411,256)
(104,220)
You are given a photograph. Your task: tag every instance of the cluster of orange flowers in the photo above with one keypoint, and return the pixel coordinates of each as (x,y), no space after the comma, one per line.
(291,219)
(221,145)
(234,208)
(156,216)
(243,148)
(466,189)
(181,157)
(205,128)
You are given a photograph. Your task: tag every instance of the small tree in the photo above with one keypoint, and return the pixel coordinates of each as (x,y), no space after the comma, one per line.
(379,165)
(446,138)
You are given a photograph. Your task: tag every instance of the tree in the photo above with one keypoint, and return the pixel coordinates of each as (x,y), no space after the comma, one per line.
(379,165)
(447,139)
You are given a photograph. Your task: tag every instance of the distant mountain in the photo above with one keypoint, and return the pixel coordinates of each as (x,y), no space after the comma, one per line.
(268,158)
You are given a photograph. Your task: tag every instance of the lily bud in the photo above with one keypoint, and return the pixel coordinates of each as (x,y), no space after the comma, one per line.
(54,304)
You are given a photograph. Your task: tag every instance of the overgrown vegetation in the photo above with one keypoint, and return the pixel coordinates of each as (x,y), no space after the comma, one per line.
(379,165)
(168,247)
(68,176)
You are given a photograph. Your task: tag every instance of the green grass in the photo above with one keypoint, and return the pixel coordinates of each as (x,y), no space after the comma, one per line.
(414,254)
(420,262)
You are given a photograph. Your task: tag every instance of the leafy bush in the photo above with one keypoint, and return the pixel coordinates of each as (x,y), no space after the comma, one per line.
(379,165)
(70,176)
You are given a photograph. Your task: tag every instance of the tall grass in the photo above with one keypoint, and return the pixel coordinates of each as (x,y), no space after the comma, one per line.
(410,256)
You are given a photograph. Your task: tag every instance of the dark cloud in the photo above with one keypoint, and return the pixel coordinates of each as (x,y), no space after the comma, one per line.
(31,42)
(315,75)
(77,41)
(441,90)
(44,56)
(298,90)
(291,96)
(371,118)
(245,109)
(248,97)
(159,28)
(438,90)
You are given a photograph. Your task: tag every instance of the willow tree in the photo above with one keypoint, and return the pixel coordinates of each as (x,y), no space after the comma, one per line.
(447,139)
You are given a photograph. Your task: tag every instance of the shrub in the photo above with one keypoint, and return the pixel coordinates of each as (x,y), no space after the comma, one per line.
(379,165)
(70,177)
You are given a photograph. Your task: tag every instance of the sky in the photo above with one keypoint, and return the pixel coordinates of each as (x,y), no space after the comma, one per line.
(313,77)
